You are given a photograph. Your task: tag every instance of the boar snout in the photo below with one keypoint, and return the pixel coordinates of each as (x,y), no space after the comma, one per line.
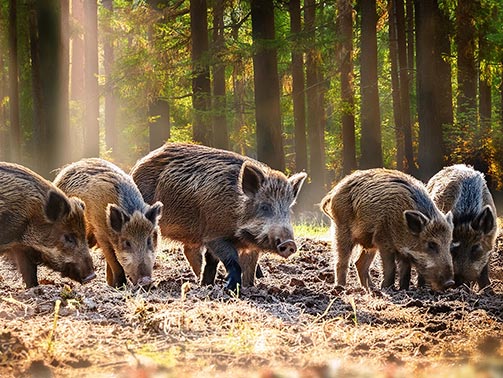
(286,248)
(90,277)
(144,281)
(448,284)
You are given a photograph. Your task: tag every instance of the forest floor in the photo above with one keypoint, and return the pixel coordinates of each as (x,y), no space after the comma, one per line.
(294,323)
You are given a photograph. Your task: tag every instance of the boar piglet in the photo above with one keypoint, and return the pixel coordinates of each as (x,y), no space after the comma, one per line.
(40,224)
(118,219)
(463,191)
(389,211)
(229,204)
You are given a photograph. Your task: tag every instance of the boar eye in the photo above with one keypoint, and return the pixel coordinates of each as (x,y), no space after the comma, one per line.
(433,247)
(454,247)
(70,239)
(476,251)
(126,244)
(149,242)
(265,209)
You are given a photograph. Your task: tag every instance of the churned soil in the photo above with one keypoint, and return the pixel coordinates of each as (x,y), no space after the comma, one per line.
(293,323)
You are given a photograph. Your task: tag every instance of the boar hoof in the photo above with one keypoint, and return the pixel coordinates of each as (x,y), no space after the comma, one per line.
(232,282)
(90,277)
(286,248)
(448,284)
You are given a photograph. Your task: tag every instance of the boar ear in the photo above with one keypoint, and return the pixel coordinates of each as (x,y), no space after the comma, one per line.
(251,179)
(484,221)
(416,221)
(57,206)
(116,217)
(154,212)
(297,180)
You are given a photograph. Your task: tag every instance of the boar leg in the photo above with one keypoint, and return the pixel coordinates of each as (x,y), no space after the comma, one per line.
(483,279)
(27,265)
(404,269)
(210,269)
(194,256)
(225,251)
(248,262)
(115,273)
(388,266)
(362,266)
(343,248)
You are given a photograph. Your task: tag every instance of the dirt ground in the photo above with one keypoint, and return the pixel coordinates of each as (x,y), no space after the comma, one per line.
(294,323)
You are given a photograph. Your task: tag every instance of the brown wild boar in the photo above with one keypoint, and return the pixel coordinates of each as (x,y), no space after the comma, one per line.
(118,220)
(40,224)
(463,191)
(389,211)
(222,201)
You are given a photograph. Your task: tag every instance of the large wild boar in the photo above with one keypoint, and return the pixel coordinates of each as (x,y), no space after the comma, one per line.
(40,224)
(463,191)
(118,219)
(222,201)
(389,211)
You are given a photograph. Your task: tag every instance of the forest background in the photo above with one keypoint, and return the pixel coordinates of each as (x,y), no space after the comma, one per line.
(321,86)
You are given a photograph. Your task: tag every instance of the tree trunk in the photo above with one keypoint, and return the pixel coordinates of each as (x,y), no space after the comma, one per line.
(266,82)
(110,105)
(160,125)
(15,126)
(298,96)
(64,58)
(371,151)
(45,41)
(345,55)
(91,130)
(467,72)
(220,133)
(201,88)
(434,95)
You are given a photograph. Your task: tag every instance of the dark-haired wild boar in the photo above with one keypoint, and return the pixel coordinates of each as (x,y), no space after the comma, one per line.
(40,224)
(118,219)
(389,211)
(463,191)
(222,201)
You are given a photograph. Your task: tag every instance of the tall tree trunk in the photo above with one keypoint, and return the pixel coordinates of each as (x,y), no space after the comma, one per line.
(409,9)
(371,150)
(220,133)
(201,87)
(45,36)
(434,95)
(15,126)
(485,95)
(298,96)
(266,82)
(91,130)
(316,169)
(160,126)
(345,55)
(395,86)
(64,58)
(238,87)
(467,72)
(110,105)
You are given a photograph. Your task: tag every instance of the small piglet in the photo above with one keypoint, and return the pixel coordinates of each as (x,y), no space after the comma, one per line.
(118,220)
(463,191)
(222,201)
(389,211)
(40,224)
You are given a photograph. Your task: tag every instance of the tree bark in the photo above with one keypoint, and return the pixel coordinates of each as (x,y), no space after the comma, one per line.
(91,130)
(345,55)
(15,126)
(266,82)
(220,133)
(298,95)
(201,87)
(64,58)
(371,150)
(434,95)
(110,104)
(160,126)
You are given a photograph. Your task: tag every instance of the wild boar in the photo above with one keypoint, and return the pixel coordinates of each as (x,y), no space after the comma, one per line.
(118,219)
(222,201)
(463,191)
(40,224)
(389,211)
